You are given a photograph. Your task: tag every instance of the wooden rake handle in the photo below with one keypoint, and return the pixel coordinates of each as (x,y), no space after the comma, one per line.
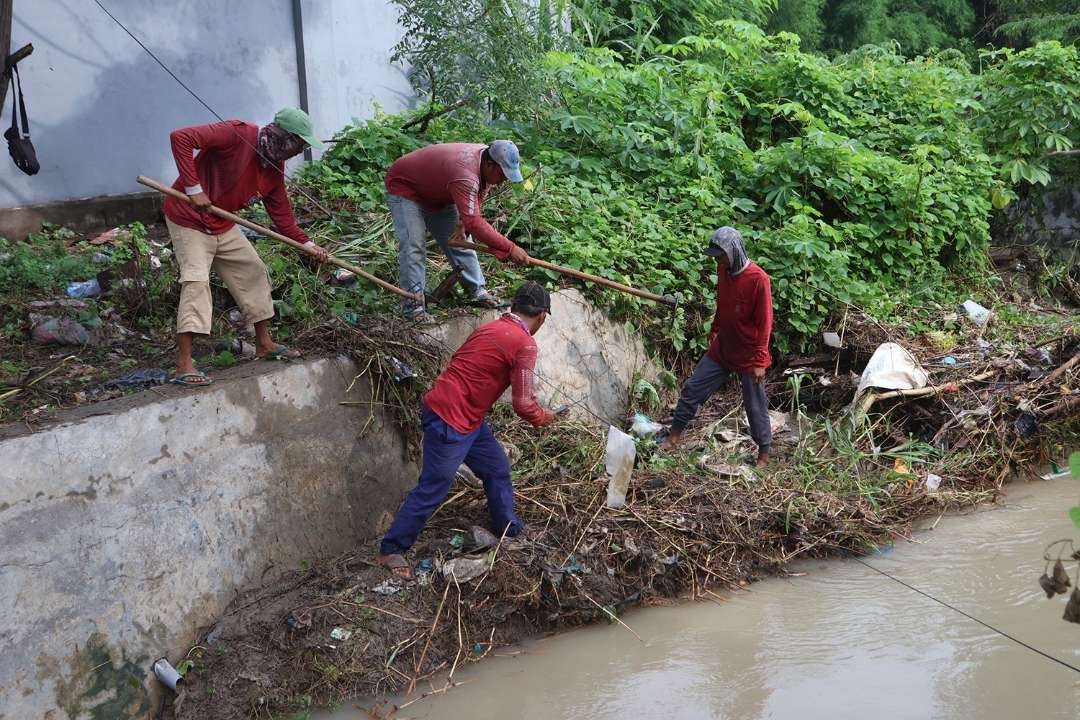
(535,262)
(226,215)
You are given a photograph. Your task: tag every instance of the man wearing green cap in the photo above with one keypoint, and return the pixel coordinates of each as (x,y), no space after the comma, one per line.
(237,163)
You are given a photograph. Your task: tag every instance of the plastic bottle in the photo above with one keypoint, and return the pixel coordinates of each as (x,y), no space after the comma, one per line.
(85,289)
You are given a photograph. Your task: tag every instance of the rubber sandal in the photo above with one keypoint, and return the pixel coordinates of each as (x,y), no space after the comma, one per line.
(185,379)
(395,562)
(281,352)
(489,301)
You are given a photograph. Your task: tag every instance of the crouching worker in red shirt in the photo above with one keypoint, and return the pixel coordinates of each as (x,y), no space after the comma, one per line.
(738,342)
(498,354)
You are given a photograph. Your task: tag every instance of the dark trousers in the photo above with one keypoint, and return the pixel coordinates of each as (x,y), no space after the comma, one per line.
(709,376)
(445,449)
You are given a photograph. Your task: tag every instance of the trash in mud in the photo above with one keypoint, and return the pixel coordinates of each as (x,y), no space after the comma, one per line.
(948,360)
(464,569)
(620,463)
(467,476)
(344,277)
(891,367)
(457,540)
(1026,424)
(975,312)
(1038,355)
(1072,608)
(106,237)
(167,674)
(401,370)
(144,378)
(933,482)
(299,620)
(85,289)
(482,538)
(644,426)
(47,330)
(341,634)
(386,587)
(832,340)
(425,565)
(1061,579)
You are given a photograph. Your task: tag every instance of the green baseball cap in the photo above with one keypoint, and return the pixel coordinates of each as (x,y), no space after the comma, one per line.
(299,123)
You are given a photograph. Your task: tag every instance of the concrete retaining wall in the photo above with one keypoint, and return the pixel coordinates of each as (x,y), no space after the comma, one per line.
(130,527)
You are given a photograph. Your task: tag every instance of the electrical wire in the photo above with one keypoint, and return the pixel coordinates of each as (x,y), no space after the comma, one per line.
(969,617)
(211,110)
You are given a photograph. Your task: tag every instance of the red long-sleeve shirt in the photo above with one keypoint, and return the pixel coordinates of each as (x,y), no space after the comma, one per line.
(438,175)
(229,171)
(498,354)
(743,320)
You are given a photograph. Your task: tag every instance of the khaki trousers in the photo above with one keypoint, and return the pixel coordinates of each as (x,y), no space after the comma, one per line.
(234,259)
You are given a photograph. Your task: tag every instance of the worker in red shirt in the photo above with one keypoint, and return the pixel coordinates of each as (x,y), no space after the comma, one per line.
(498,354)
(738,342)
(435,188)
(237,162)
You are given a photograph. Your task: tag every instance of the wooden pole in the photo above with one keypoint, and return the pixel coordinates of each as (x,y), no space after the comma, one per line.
(226,215)
(535,262)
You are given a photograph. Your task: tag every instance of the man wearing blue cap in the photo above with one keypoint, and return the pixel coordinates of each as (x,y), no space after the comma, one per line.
(436,188)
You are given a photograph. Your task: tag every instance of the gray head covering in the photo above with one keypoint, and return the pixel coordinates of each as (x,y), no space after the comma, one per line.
(728,241)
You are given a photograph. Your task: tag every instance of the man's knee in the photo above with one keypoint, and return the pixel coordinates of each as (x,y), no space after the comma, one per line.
(195,307)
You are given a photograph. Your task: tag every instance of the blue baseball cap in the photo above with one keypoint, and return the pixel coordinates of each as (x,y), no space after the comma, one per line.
(505,153)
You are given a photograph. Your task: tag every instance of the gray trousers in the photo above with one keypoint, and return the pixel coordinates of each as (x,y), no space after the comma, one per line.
(411,225)
(709,376)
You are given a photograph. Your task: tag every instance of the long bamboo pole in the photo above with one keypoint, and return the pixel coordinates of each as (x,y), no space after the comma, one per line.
(225,214)
(665,299)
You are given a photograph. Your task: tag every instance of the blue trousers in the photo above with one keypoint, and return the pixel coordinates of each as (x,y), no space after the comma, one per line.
(445,449)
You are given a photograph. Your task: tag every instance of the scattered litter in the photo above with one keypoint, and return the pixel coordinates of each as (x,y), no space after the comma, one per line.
(299,620)
(108,236)
(643,425)
(620,462)
(425,565)
(467,476)
(891,367)
(85,289)
(386,587)
(724,469)
(341,633)
(483,538)
(778,421)
(976,312)
(46,330)
(401,370)
(102,258)
(948,360)
(66,304)
(1056,475)
(832,340)
(344,277)
(457,541)
(464,569)
(146,377)
(1026,424)
(167,674)
(1038,355)
(900,467)
(933,482)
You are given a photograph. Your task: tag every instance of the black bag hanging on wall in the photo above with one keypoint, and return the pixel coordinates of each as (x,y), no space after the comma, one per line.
(18,139)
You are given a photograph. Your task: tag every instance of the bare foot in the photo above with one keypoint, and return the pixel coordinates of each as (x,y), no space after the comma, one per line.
(396,564)
(762,460)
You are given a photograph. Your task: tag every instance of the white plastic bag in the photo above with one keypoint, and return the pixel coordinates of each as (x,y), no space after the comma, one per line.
(620,462)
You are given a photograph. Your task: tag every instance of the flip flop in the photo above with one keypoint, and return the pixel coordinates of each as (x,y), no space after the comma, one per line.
(394,563)
(185,379)
(281,352)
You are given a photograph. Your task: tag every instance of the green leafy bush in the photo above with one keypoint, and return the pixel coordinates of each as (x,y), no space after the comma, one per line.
(867,179)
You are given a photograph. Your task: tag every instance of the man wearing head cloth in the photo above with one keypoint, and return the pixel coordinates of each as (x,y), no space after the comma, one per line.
(436,188)
(230,164)
(497,355)
(738,342)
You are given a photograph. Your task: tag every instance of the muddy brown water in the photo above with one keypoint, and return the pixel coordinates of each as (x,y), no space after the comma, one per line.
(839,642)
